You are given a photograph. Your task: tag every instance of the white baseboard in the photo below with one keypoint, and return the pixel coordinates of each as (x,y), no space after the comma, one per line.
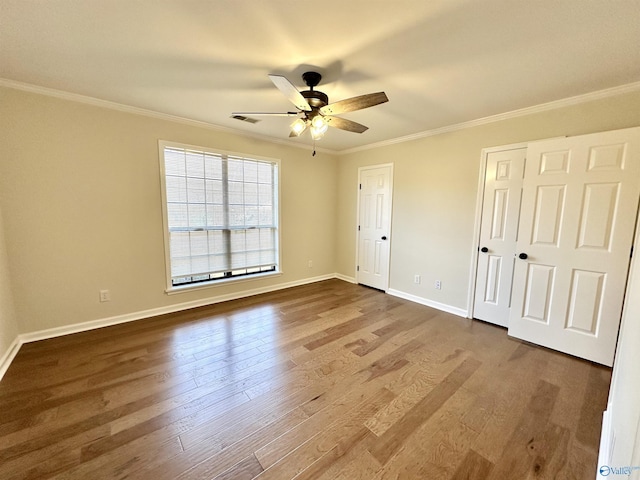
(9,355)
(154,312)
(606,441)
(345,278)
(460,312)
(21,339)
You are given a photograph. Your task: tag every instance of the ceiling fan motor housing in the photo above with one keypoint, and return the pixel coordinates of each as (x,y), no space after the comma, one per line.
(315,98)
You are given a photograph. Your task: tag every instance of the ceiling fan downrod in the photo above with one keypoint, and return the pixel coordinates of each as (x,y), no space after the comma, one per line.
(315,98)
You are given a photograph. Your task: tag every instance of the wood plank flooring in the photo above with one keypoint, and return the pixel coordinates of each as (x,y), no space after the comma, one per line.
(324,381)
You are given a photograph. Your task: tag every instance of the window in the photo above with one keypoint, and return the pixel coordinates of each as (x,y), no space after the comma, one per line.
(221,215)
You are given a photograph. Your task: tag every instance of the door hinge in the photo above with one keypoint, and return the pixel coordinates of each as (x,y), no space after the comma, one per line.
(360,186)
(631,255)
(358,227)
(358,268)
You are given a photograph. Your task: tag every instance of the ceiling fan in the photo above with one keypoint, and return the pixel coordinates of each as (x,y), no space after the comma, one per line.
(314,110)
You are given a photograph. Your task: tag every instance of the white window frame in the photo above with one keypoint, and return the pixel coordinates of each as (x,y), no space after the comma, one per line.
(170,288)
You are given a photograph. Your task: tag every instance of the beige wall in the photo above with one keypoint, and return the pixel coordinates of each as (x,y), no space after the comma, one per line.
(8,321)
(80,211)
(435,187)
(80,192)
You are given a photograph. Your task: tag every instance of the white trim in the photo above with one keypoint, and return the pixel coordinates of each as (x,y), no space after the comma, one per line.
(390,236)
(460,312)
(543,107)
(9,355)
(608,434)
(276,163)
(213,151)
(220,283)
(97,102)
(607,439)
(345,278)
(473,269)
(153,312)
(21,339)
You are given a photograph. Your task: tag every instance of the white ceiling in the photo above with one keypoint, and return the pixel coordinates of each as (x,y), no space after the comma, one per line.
(440,62)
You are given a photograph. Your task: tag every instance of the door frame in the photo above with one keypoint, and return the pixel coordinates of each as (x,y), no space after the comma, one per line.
(360,170)
(473,268)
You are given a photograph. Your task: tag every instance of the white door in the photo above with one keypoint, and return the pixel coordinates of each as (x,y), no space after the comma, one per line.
(498,232)
(579,207)
(374,226)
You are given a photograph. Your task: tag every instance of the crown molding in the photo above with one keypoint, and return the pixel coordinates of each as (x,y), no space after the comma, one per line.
(97,102)
(543,107)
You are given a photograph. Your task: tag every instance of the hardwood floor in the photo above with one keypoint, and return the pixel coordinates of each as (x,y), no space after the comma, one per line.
(324,381)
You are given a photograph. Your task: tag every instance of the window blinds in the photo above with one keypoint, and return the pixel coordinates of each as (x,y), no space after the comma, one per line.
(221,215)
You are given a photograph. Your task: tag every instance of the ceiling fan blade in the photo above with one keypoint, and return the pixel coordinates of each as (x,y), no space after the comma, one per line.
(263,114)
(344,124)
(291,92)
(354,103)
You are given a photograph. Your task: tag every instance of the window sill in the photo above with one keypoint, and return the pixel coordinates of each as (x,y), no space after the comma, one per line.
(220,283)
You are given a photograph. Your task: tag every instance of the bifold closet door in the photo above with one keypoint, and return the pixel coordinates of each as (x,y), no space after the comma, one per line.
(498,232)
(577,222)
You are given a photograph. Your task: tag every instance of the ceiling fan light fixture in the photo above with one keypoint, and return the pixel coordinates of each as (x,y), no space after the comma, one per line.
(316,134)
(318,122)
(298,126)
(318,127)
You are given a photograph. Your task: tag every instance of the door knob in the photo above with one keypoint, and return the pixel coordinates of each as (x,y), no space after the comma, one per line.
(384,237)
(484,249)
(523,256)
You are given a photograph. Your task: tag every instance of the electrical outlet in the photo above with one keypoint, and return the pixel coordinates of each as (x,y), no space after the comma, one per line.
(416,279)
(105,296)
(310,264)
(438,285)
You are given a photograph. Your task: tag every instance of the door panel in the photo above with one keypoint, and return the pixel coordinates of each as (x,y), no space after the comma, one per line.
(374,219)
(554,162)
(548,215)
(498,231)
(585,300)
(365,256)
(596,218)
(499,219)
(494,268)
(538,291)
(579,206)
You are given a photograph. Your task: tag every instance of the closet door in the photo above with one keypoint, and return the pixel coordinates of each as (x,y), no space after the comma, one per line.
(498,232)
(579,207)
(374,225)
